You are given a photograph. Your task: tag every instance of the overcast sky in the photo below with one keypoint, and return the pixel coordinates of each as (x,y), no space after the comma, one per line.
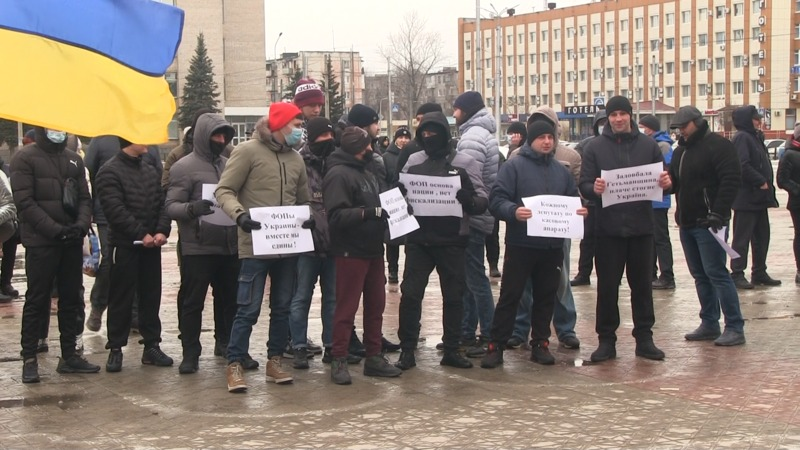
(340,24)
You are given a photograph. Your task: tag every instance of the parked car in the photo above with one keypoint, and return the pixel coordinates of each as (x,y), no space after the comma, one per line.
(772,146)
(781,151)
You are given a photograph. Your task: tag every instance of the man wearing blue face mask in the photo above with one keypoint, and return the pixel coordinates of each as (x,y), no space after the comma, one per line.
(54,210)
(262,172)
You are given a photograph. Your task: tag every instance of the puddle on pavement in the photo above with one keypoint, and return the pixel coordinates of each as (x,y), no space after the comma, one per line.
(64,402)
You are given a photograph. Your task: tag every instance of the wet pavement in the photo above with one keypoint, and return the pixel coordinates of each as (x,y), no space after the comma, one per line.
(699,397)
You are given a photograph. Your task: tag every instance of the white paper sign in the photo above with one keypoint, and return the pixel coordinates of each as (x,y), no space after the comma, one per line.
(554,216)
(632,184)
(720,237)
(400,221)
(218,217)
(281,230)
(433,196)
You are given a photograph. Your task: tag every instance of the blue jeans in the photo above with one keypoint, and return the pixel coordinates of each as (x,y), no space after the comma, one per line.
(478,300)
(564,314)
(715,288)
(309,269)
(252,279)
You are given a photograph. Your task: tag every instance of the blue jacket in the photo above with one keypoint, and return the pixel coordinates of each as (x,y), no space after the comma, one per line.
(663,136)
(529,174)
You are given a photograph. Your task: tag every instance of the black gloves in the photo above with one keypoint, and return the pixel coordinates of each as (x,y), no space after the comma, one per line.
(376,213)
(713,221)
(410,210)
(71,233)
(309,224)
(247,224)
(402,188)
(200,208)
(464,197)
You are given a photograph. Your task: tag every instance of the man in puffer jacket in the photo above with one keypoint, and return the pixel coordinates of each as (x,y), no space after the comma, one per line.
(752,203)
(476,127)
(439,243)
(208,250)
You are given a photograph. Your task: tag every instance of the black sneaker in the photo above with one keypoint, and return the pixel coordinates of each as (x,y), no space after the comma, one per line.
(647,349)
(540,353)
(663,284)
(741,282)
(356,346)
(406,361)
(453,358)
(221,349)
(312,347)
(30,371)
(42,346)
(248,363)
(605,351)
(580,281)
(477,350)
(76,364)
(9,290)
(764,280)
(288,352)
(378,366)
(494,272)
(327,357)
(339,372)
(114,363)
(300,358)
(95,320)
(388,346)
(494,356)
(570,342)
(154,356)
(190,364)
(514,342)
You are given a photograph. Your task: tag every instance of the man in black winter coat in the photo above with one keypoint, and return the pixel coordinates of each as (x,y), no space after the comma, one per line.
(706,174)
(54,210)
(133,202)
(756,195)
(788,179)
(624,231)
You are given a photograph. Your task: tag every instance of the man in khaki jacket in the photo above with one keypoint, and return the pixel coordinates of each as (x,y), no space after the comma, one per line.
(263,172)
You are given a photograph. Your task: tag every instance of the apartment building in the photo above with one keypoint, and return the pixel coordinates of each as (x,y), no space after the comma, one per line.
(234,35)
(347,66)
(662,54)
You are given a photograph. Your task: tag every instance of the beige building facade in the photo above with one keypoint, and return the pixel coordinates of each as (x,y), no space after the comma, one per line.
(713,54)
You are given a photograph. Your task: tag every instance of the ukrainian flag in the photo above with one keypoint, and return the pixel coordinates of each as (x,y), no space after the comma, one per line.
(90,67)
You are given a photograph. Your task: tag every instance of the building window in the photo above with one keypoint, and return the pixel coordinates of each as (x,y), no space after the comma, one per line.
(638,22)
(557,77)
(797,31)
(520,80)
(570,54)
(624,72)
(570,98)
(521,59)
(670,18)
(520,38)
(755,60)
(609,49)
(534,79)
(467,65)
(623,25)
(670,91)
(719,63)
(582,53)
(754,33)
(639,46)
(597,74)
(738,9)
(544,35)
(797,6)
(467,44)
(703,90)
(545,57)
(719,89)
(737,61)
(545,99)
(625,93)
(533,36)
(738,35)
(702,40)
(719,37)
(609,27)
(583,97)
(597,51)
(686,66)
(702,65)
(623,48)
(557,33)
(610,94)
(755,7)
(557,56)
(702,14)
(510,40)
(754,86)
(532,58)
(557,98)
(544,78)
(488,63)
(610,73)
(654,44)
(738,87)
(510,80)
(654,21)
(488,42)
(686,41)
(595,28)
(686,90)
(719,12)
(582,30)
(797,57)
(686,16)
(510,61)
(670,43)
(570,32)
(670,67)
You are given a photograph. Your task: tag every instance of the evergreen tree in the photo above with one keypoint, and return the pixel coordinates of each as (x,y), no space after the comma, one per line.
(200,90)
(331,88)
(288,94)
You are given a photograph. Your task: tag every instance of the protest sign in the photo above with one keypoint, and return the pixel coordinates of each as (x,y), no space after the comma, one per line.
(554,216)
(632,184)
(433,196)
(218,217)
(281,230)
(400,221)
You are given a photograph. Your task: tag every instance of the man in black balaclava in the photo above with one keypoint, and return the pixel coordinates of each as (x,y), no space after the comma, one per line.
(440,242)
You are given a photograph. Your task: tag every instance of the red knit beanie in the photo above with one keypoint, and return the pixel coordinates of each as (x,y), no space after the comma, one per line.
(308,92)
(280,114)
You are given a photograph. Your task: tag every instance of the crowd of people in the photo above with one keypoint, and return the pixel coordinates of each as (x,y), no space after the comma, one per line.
(297,158)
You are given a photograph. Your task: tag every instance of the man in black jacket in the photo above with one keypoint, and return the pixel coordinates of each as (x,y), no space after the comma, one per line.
(706,174)
(440,242)
(133,202)
(54,210)
(357,225)
(756,195)
(624,231)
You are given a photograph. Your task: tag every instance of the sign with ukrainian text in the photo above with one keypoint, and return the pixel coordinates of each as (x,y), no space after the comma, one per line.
(400,221)
(282,231)
(433,196)
(632,184)
(554,216)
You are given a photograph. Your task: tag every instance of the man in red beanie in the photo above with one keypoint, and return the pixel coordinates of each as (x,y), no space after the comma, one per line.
(263,172)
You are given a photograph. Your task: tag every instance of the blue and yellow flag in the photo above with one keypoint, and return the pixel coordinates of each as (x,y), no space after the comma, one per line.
(90,67)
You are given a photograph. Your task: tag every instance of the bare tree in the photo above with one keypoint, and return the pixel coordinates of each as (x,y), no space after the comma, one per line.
(413,52)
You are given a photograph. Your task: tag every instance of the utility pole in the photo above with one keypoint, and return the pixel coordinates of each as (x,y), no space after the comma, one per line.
(389,77)
(498,77)
(327,88)
(636,86)
(478,85)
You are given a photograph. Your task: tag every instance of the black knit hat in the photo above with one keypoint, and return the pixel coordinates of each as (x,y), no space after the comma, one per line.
(402,131)
(318,126)
(650,121)
(123,142)
(539,128)
(469,102)
(619,103)
(428,107)
(354,140)
(362,116)
(518,127)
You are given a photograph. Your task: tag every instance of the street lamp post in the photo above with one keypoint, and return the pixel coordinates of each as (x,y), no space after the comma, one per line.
(275,68)
(653,88)
(636,86)
(498,82)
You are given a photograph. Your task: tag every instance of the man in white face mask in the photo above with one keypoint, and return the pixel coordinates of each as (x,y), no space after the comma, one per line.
(54,210)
